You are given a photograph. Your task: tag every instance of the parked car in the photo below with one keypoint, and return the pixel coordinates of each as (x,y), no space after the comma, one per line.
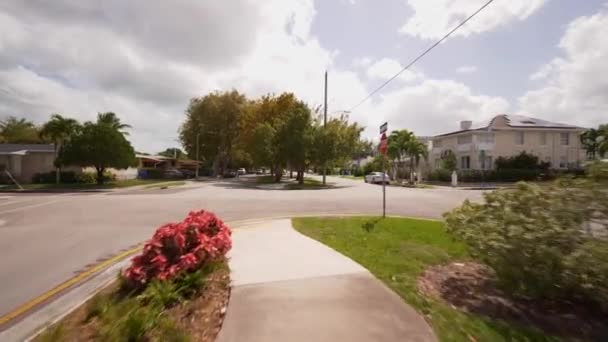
(187,173)
(229,174)
(376,177)
(259,172)
(241,171)
(173,173)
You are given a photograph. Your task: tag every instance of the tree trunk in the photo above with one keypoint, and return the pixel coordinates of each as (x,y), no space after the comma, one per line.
(100,175)
(57,169)
(278,174)
(301,176)
(290,173)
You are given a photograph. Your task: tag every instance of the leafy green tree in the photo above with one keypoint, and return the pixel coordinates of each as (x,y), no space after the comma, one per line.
(19,131)
(294,138)
(110,119)
(58,130)
(334,144)
(215,119)
(603,140)
(100,146)
(172,152)
(589,140)
(448,160)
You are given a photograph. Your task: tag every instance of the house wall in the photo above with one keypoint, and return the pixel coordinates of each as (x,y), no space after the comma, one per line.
(33,163)
(504,145)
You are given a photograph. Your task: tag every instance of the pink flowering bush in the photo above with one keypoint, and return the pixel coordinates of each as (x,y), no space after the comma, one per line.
(179,247)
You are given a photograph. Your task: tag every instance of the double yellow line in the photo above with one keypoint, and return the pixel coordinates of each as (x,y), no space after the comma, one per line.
(61,287)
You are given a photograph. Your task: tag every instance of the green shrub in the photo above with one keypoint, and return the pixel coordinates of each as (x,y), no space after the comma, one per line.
(67,177)
(521,161)
(528,235)
(86,178)
(598,171)
(587,270)
(441,175)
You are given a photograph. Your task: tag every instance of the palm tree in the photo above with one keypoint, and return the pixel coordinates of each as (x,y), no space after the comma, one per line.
(398,147)
(109,118)
(58,130)
(589,140)
(416,150)
(18,131)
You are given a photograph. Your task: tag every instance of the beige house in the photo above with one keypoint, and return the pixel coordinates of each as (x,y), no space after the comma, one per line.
(22,161)
(477,147)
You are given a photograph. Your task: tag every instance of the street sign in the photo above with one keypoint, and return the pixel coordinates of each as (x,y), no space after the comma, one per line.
(383,128)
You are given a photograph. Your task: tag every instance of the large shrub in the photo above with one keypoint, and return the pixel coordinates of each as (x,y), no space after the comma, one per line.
(180,247)
(523,160)
(67,177)
(532,236)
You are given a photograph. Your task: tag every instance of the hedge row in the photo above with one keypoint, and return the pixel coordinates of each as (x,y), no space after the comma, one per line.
(502,175)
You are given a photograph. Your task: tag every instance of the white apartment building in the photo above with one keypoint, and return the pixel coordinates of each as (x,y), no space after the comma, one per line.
(477,146)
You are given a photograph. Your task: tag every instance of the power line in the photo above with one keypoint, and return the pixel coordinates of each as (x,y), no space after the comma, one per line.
(421,55)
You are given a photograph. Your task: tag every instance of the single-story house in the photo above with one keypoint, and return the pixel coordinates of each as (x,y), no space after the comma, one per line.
(23,161)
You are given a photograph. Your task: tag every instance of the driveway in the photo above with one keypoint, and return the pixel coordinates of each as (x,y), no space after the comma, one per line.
(46,239)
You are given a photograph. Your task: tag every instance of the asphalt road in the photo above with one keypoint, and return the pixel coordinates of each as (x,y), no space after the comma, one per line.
(47,239)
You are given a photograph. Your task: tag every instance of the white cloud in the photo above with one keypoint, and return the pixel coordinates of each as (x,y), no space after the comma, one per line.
(574,87)
(386,68)
(430,107)
(466,69)
(109,56)
(433,19)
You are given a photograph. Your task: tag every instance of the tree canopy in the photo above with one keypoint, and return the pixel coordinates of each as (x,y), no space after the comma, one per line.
(19,131)
(98,145)
(277,131)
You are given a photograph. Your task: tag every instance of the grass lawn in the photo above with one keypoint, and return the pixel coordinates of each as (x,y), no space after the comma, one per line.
(92,186)
(268,179)
(309,184)
(353,177)
(397,250)
(163,184)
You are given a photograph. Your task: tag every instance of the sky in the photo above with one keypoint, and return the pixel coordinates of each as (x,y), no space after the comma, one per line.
(145,60)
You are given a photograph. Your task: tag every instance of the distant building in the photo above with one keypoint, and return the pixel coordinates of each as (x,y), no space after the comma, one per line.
(23,161)
(477,146)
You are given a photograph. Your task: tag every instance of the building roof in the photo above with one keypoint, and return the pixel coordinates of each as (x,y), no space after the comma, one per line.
(513,121)
(26,148)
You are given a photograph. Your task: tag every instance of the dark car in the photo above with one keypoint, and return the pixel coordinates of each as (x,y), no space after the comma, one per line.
(173,173)
(187,173)
(229,174)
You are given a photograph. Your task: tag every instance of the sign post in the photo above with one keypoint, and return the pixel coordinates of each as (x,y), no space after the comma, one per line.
(383,149)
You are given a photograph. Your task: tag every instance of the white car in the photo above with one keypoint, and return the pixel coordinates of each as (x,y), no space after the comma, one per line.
(376,177)
(241,171)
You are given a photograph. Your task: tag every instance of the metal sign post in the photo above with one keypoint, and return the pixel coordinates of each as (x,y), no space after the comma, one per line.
(383,149)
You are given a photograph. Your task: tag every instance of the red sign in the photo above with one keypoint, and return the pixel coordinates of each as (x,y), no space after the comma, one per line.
(383,144)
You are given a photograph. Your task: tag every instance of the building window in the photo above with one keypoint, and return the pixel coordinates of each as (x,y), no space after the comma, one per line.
(465,162)
(485,138)
(519,138)
(465,139)
(543,138)
(564,138)
(437,143)
(563,162)
(486,163)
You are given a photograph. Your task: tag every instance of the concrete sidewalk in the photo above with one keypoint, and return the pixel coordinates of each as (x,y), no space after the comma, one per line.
(288,287)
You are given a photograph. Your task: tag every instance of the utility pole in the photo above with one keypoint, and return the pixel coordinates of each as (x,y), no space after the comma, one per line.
(325,121)
(197,158)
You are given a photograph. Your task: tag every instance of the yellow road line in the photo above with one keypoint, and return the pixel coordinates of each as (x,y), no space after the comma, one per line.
(37,300)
